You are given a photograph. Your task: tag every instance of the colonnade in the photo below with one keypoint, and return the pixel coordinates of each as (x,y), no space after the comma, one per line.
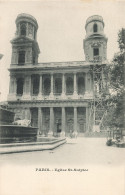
(63,121)
(27,84)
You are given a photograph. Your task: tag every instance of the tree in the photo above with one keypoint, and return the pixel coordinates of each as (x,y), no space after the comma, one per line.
(116,102)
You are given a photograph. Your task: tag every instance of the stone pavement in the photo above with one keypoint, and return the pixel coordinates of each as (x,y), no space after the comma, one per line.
(30,146)
(90,151)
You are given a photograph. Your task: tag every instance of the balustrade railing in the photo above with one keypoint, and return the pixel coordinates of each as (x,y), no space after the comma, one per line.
(57,94)
(97,58)
(19,95)
(69,93)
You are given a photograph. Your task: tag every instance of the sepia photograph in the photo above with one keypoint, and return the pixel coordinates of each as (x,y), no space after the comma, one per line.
(62,77)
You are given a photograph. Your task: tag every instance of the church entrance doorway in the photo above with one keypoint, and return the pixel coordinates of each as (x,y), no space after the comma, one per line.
(81,121)
(34,117)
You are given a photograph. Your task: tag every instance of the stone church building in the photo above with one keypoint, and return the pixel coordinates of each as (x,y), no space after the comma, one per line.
(55,96)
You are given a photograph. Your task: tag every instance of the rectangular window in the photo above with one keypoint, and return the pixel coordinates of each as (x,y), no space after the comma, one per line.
(21,58)
(96,51)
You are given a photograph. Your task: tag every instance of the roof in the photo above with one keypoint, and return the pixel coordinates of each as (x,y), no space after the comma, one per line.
(24,16)
(94,18)
(51,65)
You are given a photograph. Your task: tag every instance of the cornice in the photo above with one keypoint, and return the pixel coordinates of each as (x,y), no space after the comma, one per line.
(44,104)
(48,103)
(73,65)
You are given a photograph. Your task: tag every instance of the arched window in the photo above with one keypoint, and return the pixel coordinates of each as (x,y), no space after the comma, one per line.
(20,83)
(58,86)
(95,28)
(34,117)
(23,29)
(81,85)
(21,58)
(69,85)
(35,83)
(46,86)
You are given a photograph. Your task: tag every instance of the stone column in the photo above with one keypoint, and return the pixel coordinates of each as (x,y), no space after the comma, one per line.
(19,30)
(29,114)
(51,126)
(14,57)
(24,86)
(87,119)
(90,82)
(12,89)
(86,84)
(51,93)
(27,29)
(30,87)
(25,114)
(11,86)
(27,87)
(63,84)
(15,85)
(75,85)
(63,122)
(39,121)
(33,33)
(75,119)
(40,86)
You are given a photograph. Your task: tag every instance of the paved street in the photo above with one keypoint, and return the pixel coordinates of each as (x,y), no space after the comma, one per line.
(90,151)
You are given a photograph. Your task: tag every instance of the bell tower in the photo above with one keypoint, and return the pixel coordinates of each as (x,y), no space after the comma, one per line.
(25,49)
(95,42)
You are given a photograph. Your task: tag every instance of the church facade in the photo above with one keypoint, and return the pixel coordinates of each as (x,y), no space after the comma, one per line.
(54,96)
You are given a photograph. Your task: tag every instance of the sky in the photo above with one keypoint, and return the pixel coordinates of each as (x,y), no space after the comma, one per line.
(61,29)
